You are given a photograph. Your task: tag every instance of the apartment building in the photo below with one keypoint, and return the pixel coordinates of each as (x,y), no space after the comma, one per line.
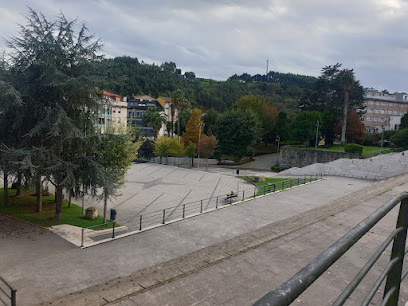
(383,111)
(136,107)
(112,115)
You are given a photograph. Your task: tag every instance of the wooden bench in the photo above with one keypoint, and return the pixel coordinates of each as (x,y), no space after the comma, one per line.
(230,196)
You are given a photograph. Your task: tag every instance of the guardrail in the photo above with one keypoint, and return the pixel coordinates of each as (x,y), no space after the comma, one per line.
(9,292)
(157,218)
(297,284)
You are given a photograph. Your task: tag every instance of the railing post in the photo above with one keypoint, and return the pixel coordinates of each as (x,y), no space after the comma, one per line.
(13,297)
(298,181)
(164,216)
(201,207)
(216,203)
(243,195)
(254,192)
(274,187)
(140,223)
(283,185)
(82,238)
(398,249)
(264,189)
(184,210)
(113,229)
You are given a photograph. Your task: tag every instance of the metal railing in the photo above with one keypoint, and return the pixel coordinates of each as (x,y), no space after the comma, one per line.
(297,284)
(8,292)
(152,219)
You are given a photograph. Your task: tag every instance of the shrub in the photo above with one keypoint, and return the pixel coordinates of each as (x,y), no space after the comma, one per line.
(372,140)
(353,148)
(400,138)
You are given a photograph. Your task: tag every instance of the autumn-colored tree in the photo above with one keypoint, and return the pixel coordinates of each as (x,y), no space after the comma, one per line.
(206,147)
(192,128)
(355,129)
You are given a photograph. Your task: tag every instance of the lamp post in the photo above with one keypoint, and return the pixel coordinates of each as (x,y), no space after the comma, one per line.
(382,138)
(198,145)
(277,140)
(317,133)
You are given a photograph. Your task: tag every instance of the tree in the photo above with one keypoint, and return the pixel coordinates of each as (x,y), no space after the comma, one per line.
(146,149)
(404,122)
(155,119)
(210,120)
(355,129)
(345,78)
(10,105)
(179,102)
(304,126)
(191,152)
(193,128)
(282,126)
(51,65)
(115,153)
(206,147)
(166,146)
(400,138)
(265,112)
(236,130)
(336,90)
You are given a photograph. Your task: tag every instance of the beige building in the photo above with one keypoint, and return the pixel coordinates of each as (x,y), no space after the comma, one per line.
(383,111)
(112,116)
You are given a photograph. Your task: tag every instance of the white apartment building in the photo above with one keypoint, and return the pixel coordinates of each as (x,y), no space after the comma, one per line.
(383,111)
(112,115)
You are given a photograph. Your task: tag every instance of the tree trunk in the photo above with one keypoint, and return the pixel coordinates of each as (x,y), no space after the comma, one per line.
(178,126)
(345,110)
(172,121)
(19,177)
(105,207)
(58,202)
(5,185)
(38,188)
(69,198)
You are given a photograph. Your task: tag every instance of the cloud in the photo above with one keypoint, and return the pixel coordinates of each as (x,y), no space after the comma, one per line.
(220,38)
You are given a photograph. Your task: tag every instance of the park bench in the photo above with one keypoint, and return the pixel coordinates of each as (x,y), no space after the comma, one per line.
(230,197)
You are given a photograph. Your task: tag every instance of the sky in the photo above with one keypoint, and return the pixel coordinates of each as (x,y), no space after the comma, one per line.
(219,38)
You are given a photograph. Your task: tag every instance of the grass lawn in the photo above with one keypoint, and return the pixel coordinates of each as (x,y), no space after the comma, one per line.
(23,207)
(368,151)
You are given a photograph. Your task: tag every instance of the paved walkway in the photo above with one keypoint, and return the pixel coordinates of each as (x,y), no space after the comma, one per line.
(245,277)
(44,267)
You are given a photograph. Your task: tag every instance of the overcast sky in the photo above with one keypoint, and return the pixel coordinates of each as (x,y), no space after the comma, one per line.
(218,38)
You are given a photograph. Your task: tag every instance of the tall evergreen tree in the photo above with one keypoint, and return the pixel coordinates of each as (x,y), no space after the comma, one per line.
(51,66)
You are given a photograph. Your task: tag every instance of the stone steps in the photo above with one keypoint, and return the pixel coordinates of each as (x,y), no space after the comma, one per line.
(375,168)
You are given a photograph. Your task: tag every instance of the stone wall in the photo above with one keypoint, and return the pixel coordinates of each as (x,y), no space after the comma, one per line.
(296,157)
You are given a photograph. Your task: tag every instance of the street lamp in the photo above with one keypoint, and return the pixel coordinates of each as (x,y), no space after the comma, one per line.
(198,147)
(382,138)
(277,140)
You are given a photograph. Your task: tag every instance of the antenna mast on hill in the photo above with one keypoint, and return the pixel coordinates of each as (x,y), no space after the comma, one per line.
(267,68)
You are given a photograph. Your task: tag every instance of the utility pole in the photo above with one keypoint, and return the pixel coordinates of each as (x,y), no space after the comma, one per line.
(198,146)
(317,133)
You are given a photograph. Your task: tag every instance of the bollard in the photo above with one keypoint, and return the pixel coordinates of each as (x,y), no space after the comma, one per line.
(184,210)
(113,229)
(82,238)
(13,297)
(255,193)
(216,203)
(243,195)
(164,216)
(201,208)
(140,224)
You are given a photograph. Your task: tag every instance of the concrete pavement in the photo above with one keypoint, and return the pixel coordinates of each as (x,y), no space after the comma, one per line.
(44,267)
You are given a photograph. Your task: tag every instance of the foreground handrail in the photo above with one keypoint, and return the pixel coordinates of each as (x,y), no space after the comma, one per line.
(13,292)
(297,284)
